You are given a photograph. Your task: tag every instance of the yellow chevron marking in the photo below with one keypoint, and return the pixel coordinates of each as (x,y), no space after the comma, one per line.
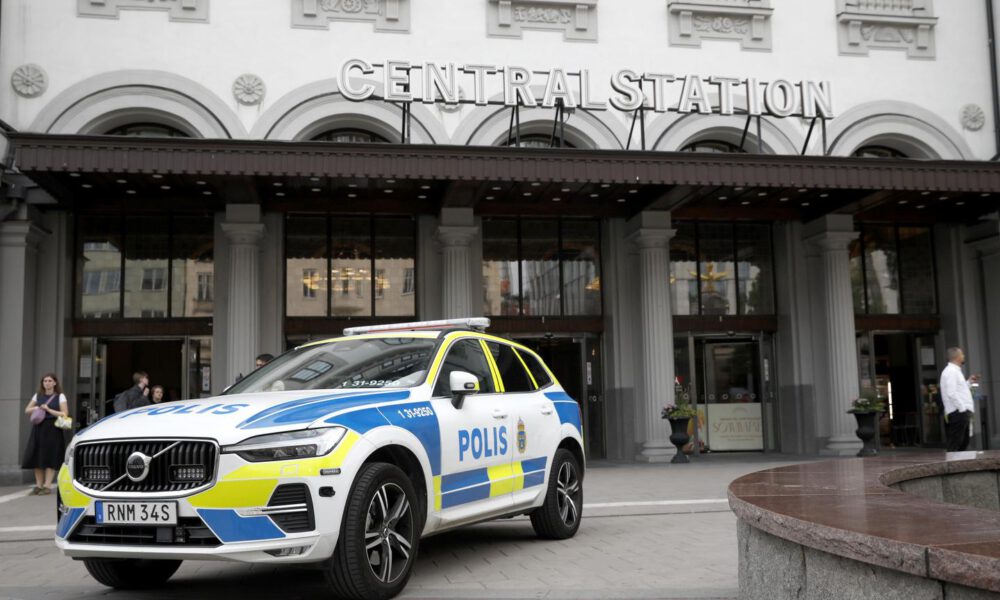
(505,479)
(437,493)
(235,494)
(69,495)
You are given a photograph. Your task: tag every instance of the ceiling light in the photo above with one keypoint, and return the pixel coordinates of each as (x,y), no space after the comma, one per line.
(925,193)
(74,174)
(489,197)
(352,185)
(157,176)
(745,202)
(422,197)
(620,200)
(129,191)
(425,187)
(824,195)
(352,195)
(120,181)
(277,184)
(390,181)
(496,188)
(738,189)
(86,186)
(280,194)
(594,195)
(782,199)
(564,190)
(761,194)
(984,195)
(943,198)
(556,199)
(605,185)
(633,191)
(902,202)
(535,184)
(960,203)
(805,204)
(387,191)
(164,187)
(317,189)
(921,206)
(803,190)
(723,197)
(527,193)
(314,179)
(207,192)
(200,182)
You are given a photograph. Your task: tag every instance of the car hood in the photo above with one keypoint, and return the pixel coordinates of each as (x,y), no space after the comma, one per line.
(230,419)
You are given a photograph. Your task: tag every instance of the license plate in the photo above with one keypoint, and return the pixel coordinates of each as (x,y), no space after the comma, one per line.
(136,513)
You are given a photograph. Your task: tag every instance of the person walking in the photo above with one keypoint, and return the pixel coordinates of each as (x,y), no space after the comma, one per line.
(46,444)
(135,396)
(957,399)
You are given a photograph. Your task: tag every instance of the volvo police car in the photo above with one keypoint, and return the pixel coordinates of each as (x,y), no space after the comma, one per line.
(342,453)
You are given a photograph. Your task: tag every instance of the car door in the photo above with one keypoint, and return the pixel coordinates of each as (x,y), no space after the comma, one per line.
(535,424)
(475,439)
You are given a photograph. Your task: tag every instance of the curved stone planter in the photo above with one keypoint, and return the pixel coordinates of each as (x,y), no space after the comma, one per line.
(906,526)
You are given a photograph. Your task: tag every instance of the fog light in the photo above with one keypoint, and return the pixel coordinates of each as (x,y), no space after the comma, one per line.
(187,473)
(97,474)
(293,551)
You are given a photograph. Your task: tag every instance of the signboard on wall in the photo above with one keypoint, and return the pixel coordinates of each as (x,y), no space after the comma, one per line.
(735,426)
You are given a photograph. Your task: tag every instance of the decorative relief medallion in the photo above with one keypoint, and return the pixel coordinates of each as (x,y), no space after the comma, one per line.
(178,10)
(576,19)
(29,81)
(973,117)
(249,89)
(746,21)
(865,25)
(386,15)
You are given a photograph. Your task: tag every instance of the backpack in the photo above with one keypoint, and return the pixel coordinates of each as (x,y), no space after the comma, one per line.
(121,402)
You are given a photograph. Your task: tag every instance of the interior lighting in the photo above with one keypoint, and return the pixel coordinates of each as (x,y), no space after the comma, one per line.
(605,185)
(280,194)
(277,184)
(129,191)
(74,174)
(803,190)
(200,182)
(921,206)
(984,195)
(489,197)
(564,190)
(86,186)
(761,194)
(527,193)
(317,189)
(352,185)
(164,187)
(805,204)
(902,202)
(620,200)
(960,203)
(157,176)
(352,195)
(594,195)
(888,388)
(745,202)
(387,191)
(738,189)
(943,198)
(535,184)
(633,191)
(782,199)
(207,192)
(824,195)
(925,193)
(120,181)
(723,197)
(422,197)
(556,199)
(390,181)
(425,187)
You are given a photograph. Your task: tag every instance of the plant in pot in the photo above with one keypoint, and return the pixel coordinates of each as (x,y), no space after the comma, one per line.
(866,410)
(679,416)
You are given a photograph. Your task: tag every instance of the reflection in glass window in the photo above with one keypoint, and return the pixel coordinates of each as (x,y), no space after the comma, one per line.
(878,152)
(305,264)
(713,147)
(147,257)
(916,266)
(754,263)
(512,374)
(716,271)
(408,281)
(892,270)
(193,266)
(395,261)
(99,253)
(205,287)
(858,277)
(466,356)
(351,266)
(541,376)
(881,270)
(540,267)
(684,270)
(501,277)
(581,258)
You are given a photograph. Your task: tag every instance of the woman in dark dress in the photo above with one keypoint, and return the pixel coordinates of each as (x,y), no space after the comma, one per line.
(46,445)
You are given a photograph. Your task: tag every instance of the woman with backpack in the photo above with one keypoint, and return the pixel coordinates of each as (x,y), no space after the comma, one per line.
(46,444)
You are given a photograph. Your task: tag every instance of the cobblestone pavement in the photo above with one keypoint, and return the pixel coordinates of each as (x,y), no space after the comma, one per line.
(649,531)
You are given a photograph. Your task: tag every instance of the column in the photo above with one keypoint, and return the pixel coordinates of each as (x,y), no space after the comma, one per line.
(837,314)
(19,241)
(657,337)
(244,232)
(455,233)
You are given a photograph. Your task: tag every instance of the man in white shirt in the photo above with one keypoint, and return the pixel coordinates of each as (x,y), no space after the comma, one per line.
(957,399)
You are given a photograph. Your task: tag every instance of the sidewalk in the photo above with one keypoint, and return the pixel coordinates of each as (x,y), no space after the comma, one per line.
(649,531)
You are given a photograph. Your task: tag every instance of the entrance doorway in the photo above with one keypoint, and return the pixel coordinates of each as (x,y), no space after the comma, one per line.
(105,367)
(901,370)
(577,364)
(730,380)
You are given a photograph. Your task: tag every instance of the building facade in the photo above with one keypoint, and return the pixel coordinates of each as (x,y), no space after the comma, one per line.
(766,208)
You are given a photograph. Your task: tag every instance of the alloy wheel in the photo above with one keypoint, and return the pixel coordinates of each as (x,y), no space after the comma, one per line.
(389,533)
(567,490)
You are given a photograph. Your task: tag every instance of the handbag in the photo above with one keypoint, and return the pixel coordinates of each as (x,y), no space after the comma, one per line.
(37,416)
(64,422)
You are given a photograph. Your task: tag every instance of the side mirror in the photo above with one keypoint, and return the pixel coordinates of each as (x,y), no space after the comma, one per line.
(462,383)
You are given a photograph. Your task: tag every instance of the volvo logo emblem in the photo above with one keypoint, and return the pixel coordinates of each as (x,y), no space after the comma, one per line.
(137,466)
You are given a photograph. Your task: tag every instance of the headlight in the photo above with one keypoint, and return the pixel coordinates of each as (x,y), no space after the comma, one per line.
(288,445)
(68,458)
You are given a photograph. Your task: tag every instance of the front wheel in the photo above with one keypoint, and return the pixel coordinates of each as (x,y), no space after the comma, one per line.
(379,536)
(131,573)
(559,517)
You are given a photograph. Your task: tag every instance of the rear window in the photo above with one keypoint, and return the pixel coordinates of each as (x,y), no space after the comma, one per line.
(537,370)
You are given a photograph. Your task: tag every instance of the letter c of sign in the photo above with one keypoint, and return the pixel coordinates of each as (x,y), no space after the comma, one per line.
(359,94)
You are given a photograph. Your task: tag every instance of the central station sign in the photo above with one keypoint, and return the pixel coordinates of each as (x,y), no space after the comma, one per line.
(627,90)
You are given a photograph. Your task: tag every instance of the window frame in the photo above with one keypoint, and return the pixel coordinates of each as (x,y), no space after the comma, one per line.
(860,229)
(444,357)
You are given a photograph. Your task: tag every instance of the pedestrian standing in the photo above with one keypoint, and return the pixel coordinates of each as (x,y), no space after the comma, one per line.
(957,399)
(46,444)
(262,359)
(135,396)
(157,395)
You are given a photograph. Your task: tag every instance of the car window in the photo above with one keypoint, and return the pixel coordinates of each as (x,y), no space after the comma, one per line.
(537,370)
(468,356)
(515,378)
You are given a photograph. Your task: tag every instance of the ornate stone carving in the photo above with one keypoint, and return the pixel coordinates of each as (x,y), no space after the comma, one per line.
(29,81)
(386,15)
(249,89)
(973,117)
(178,10)
(576,19)
(908,25)
(746,21)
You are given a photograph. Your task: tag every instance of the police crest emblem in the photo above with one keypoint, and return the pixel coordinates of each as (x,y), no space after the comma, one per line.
(522,437)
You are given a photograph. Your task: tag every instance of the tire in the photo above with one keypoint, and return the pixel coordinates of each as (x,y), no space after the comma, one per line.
(131,573)
(559,517)
(383,507)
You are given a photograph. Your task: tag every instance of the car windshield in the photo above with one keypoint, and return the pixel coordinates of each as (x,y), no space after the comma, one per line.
(345,364)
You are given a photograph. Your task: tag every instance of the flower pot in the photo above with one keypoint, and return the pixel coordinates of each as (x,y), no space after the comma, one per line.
(867,428)
(679,437)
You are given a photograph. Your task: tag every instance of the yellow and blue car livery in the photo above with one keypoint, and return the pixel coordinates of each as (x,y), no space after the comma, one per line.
(223,486)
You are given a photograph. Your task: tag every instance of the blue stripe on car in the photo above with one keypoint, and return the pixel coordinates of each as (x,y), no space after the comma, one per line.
(285,406)
(558,396)
(68,521)
(569,412)
(466,495)
(420,420)
(228,526)
(536,478)
(307,413)
(533,464)
(465,479)
(361,421)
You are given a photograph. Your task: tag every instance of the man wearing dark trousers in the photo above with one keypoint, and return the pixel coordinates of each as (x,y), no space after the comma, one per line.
(957,399)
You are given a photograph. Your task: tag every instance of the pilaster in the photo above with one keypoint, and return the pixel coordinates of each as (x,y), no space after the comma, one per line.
(244,232)
(456,280)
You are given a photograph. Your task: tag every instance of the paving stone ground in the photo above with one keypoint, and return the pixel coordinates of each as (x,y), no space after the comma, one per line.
(641,538)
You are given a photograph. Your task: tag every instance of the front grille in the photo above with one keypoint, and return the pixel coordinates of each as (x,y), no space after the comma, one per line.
(188,465)
(292,494)
(189,531)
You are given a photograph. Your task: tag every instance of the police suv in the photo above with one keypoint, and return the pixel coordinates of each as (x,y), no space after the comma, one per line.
(341,453)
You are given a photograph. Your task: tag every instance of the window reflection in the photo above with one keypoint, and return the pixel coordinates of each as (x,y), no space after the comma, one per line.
(540,267)
(581,255)
(351,269)
(684,270)
(305,266)
(395,258)
(916,265)
(193,267)
(99,267)
(754,263)
(716,272)
(147,258)
(892,270)
(881,270)
(501,277)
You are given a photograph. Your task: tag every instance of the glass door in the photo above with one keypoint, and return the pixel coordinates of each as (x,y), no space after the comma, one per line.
(91,373)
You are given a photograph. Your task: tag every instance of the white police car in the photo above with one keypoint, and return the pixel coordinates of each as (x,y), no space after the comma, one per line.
(342,452)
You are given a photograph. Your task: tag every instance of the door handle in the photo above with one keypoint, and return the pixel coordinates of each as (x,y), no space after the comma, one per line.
(499,414)
(546,410)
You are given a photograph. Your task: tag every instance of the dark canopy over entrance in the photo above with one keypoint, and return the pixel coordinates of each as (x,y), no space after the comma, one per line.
(177,172)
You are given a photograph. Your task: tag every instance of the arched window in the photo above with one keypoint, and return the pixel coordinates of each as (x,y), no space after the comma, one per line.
(537,140)
(713,146)
(878,152)
(148,130)
(350,136)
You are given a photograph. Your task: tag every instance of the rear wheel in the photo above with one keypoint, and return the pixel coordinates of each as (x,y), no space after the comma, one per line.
(131,573)
(379,535)
(559,517)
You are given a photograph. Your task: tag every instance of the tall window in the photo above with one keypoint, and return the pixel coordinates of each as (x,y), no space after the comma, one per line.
(357,266)
(878,152)
(144,266)
(541,267)
(721,268)
(892,270)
